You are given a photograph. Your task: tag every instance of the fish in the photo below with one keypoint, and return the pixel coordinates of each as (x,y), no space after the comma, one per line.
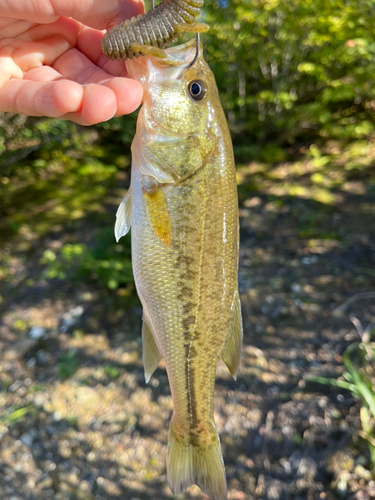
(151,32)
(182,209)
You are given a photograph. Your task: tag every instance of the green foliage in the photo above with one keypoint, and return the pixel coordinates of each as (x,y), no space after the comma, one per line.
(359,379)
(298,69)
(68,364)
(55,179)
(16,415)
(105,263)
(112,371)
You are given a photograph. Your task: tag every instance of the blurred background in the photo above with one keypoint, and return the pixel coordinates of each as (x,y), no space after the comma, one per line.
(77,420)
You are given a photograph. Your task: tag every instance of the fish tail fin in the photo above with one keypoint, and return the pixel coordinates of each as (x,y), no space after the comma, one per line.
(194,463)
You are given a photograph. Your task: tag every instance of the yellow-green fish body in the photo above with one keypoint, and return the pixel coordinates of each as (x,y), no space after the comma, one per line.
(182,206)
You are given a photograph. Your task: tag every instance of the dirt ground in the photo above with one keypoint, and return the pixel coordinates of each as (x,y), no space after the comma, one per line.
(78,421)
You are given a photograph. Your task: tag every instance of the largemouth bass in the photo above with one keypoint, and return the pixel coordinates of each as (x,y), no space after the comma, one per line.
(183,210)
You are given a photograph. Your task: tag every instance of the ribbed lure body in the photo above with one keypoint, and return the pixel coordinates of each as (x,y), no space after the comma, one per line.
(157,28)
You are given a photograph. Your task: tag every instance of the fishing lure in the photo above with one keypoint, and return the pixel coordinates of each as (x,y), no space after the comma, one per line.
(152,32)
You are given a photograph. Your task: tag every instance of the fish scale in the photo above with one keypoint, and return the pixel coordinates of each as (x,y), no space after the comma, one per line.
(184,218)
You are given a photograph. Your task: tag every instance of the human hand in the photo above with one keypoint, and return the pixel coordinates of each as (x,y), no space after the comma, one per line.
(51,62)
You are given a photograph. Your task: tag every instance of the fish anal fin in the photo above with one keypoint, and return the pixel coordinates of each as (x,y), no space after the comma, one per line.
(123,217)
(231,351)
(150,352)
(158,215)
(193,463)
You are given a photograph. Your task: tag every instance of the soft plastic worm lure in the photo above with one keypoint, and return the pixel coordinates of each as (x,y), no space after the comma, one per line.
(152,32)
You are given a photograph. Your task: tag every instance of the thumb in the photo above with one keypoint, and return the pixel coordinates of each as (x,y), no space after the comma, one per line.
(98,14)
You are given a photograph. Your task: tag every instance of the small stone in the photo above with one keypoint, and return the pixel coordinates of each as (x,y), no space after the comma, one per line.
(3,430)
(296,288)
(362,472)
(65,452)
(361,460)
(16,385)
(50,466)
(108,486)
(37,332)
(45,482)
(342,486)
(43,357)
(31,363)
(85,486)
(27,439)
(71,318)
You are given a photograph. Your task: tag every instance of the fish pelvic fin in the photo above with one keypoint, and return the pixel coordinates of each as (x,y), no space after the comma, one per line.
(150,352)
(231,351)
(123,217)
(191,462)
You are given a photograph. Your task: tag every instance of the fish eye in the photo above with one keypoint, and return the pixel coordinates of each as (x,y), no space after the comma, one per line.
(197,89)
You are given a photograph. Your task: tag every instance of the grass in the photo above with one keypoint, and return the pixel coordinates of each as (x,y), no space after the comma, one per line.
(359,379)
(68,364)
(16,415)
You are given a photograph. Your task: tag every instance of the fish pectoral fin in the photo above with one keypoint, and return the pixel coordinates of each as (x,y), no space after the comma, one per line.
(123,217)
(158,215)
(150,352)
(231,351)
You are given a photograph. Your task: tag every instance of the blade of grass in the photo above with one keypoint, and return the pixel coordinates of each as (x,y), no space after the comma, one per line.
(17,414)
(333,381)
(362,388)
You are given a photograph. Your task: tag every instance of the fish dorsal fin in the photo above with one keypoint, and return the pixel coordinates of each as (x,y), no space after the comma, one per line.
(150,352)
(123,217)
(231,351)
(158,215)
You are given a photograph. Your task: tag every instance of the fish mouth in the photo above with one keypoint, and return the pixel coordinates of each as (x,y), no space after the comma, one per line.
(184,53)
(177,58)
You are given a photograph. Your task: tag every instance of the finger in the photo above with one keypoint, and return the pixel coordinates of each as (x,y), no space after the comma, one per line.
(128,94)
(76,66)
(98,13)
(53,99)
(88,42)
(67,27)
(43,74)
(28,55)
(98,105)
(9,68)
